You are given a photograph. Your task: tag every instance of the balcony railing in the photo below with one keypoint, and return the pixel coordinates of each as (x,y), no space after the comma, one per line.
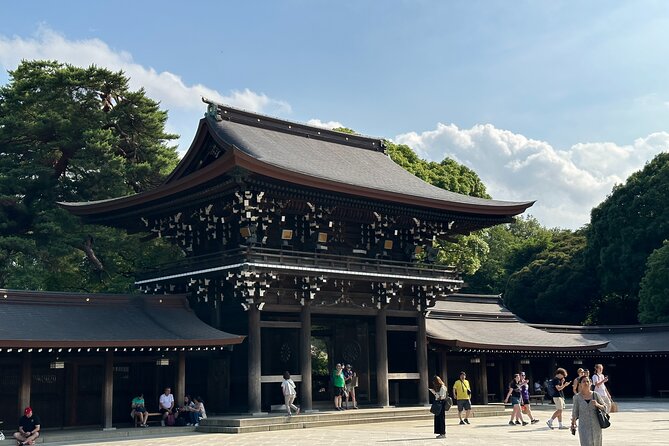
(295,260)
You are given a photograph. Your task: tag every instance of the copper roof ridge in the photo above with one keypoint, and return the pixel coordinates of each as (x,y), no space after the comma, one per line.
(242,116)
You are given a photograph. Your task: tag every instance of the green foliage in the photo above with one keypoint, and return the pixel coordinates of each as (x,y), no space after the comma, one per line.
(625,229)
(654,294)
(512,246)
(447,174)
(555,286)
(74,134)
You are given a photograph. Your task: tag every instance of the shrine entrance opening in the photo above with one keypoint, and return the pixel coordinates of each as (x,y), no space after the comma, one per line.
(345,340)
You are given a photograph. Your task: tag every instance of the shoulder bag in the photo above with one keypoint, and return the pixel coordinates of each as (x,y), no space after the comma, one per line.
(602,417)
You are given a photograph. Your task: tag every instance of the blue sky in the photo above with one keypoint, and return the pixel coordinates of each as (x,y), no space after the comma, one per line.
(554,101)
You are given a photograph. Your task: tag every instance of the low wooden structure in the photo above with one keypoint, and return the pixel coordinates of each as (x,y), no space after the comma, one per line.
(79,359)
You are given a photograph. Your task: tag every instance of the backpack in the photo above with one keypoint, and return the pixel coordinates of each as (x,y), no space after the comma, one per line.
(550,389)
(170,420)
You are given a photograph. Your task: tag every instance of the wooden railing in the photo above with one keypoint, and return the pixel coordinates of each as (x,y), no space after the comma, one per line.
(280,257)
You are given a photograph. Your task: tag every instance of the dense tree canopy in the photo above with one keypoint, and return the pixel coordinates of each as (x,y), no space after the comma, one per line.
(555,286)
(73,134)
(625,229)
(654,294)
(512,246)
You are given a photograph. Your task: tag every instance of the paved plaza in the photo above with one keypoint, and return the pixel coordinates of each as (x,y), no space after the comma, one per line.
(638,423)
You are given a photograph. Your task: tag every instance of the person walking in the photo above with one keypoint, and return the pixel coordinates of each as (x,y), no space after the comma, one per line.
(289,394)
(599,382)
(579,372)
(525,397)
(462,394)
(440,394)
(514,393)
(586,404)
(558,384)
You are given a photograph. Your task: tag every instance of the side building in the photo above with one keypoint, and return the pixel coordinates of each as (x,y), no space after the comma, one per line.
(312,243)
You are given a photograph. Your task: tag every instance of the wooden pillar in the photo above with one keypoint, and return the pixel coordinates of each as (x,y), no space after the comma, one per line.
(443,364)
(108,392)
(26,381)
(421,353)
(305,357)
(254,361)
(484,379)
(501,365)
(73,397)
(649,385)
(181,379)
(382,358)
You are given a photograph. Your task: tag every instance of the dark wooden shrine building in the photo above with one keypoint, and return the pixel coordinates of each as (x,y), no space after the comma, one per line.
(312,242)
(79,359)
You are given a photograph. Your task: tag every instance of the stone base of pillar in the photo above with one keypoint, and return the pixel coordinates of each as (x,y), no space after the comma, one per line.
(384,407)
(257,414)
(105,429)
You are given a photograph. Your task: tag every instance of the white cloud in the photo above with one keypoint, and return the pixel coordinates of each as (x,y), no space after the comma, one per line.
(325,124)
(565,183)
(168,88)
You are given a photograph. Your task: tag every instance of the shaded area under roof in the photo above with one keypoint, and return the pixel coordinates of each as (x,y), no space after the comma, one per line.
(45,319)
(482,323)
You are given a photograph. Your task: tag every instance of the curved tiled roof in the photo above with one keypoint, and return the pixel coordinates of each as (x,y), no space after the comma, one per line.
(47,319)
(303,155)
(483,323)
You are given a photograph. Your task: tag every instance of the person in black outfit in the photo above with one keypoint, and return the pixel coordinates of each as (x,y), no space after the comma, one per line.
(29,426)
(440,393)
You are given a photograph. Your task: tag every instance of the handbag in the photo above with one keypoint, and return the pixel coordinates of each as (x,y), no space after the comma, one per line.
(436,407)
(614,407)
(448,402)
(603,418)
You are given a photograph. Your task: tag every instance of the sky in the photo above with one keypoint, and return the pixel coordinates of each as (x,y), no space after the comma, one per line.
(553,101)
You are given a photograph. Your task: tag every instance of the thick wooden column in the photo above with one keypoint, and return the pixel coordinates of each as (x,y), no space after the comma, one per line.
(255,387)
(443,367)
(382,358)
(181,379)
(484,379)
(421,357)
(305,357)
(108,392)
(649,383)
(26,381)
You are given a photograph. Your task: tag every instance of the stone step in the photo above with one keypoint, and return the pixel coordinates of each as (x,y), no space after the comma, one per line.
(272,423)
(79,435)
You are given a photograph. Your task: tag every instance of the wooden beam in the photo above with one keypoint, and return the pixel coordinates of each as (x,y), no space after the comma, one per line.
(413,328)
(280,324)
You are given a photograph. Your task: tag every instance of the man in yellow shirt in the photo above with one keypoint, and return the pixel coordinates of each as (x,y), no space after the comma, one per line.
(462,394)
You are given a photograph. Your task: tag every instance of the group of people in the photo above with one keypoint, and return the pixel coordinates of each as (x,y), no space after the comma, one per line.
(344,380)
(462,394)
(590,396)
(189,414)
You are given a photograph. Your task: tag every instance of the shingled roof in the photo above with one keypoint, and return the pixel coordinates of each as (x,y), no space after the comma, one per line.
(30,319)
(481,322)
(303,155)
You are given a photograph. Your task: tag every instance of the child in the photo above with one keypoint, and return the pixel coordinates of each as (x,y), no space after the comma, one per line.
(289,394)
